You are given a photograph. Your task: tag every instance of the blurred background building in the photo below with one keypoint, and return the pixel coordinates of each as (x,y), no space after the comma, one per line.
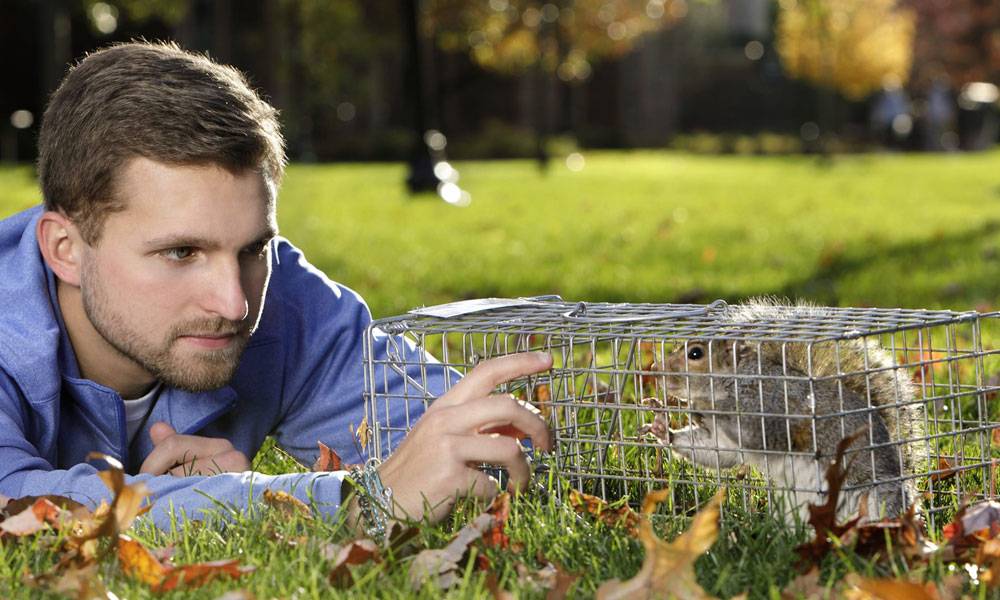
(526,78)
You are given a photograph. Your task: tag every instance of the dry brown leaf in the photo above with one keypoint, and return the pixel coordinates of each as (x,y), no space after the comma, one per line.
(441,566)
(14,506)
(995,437)
(668,568)
(287,504)
(973,525)
(620,516)
(197,575)
(356,552)
(863,588)
(126,503)
(328,460)
(362,433)
(823,518)
(988,559)
(497,592)
(944,471)
(500,509)
(138,562)
(904,533)
(33,519)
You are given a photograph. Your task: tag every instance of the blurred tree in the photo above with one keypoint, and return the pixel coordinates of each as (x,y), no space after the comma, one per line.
(850,46)
(543,39)
(960,38)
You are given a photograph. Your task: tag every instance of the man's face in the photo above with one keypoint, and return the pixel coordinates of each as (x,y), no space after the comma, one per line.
(176,281)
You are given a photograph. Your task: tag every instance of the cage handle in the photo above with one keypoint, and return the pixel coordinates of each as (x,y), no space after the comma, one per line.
(579,314)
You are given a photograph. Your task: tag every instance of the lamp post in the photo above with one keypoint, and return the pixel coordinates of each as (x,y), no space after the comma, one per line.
(421,177)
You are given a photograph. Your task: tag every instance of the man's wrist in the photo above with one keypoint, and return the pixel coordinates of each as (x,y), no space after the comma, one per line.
(371,502)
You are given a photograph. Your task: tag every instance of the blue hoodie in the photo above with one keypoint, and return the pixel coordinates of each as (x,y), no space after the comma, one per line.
(300,379)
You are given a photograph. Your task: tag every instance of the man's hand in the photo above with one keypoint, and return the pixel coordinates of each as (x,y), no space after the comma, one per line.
(436,463)
(182,455)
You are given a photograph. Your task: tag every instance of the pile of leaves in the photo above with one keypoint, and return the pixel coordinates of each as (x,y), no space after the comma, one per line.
(84,538)
(93,546)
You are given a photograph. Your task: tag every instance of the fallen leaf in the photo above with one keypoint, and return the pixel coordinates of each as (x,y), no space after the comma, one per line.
(988,559)
(198,574)
(973,525)
(363,433)
(863,588)
(356,552)
(126,503)
(823,518)
(33,519)
(14,506)
(943,472)
(500,509)
(138,562)
(905,534)
(328,460)
(620,516)
(287,504)
(668,568)
(995,437)
(441,566)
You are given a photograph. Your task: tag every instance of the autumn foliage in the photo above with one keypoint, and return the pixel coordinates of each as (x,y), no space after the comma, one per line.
(851,46)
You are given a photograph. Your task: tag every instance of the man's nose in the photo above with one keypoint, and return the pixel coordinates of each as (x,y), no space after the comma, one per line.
(226,296)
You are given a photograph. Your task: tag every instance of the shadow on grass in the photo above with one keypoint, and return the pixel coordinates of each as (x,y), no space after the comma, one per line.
(960,269)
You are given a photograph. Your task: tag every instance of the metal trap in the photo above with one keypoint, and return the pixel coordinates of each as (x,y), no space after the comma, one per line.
(753,396)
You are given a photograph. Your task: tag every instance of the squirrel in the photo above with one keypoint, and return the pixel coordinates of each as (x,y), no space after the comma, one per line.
(783,406)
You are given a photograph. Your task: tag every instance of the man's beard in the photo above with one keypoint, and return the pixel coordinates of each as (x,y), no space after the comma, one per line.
(207,370)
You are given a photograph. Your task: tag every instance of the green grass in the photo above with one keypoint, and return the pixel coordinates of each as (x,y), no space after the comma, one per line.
(880,230)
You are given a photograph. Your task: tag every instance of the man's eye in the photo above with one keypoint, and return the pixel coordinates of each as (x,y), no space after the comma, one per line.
(257,250)
(181,253)
(695,353)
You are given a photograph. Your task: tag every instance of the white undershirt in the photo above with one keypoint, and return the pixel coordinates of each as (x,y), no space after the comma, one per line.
(136,410)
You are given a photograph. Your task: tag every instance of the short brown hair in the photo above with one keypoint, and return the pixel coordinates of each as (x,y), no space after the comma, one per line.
(156,101)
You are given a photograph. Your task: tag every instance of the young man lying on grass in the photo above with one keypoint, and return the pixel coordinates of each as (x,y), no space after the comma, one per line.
(154,315)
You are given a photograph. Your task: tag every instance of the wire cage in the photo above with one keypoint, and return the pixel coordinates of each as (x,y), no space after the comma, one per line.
(755,396)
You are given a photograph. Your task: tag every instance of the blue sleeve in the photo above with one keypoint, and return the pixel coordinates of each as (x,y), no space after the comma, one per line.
(25,473)
(324,328)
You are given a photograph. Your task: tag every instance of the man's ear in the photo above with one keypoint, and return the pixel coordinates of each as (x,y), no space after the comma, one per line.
(61,245)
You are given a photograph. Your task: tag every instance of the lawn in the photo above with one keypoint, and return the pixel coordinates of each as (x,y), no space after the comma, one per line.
(877,230)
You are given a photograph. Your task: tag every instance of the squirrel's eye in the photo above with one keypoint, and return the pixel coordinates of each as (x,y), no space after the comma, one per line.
(695,353)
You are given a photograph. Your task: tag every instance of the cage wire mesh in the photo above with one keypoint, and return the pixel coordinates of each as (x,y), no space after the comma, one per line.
(754,397)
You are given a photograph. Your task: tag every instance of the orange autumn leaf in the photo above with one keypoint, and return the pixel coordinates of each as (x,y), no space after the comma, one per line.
(995,438)
(127,500)
(944,471)
(138,562)
(33,519)
(199,574)
(668,568)
(863,588)
(287,504)
(495,536)
(621,516)
(328,459)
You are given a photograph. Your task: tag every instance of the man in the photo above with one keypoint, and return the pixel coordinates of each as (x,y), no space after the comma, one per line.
(153,314)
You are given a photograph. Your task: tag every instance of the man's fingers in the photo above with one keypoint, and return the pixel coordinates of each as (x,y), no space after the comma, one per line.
(497,450)
(179,449)
(480,485)
(160,431)
(487,375)
(233,461)
(497,412)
